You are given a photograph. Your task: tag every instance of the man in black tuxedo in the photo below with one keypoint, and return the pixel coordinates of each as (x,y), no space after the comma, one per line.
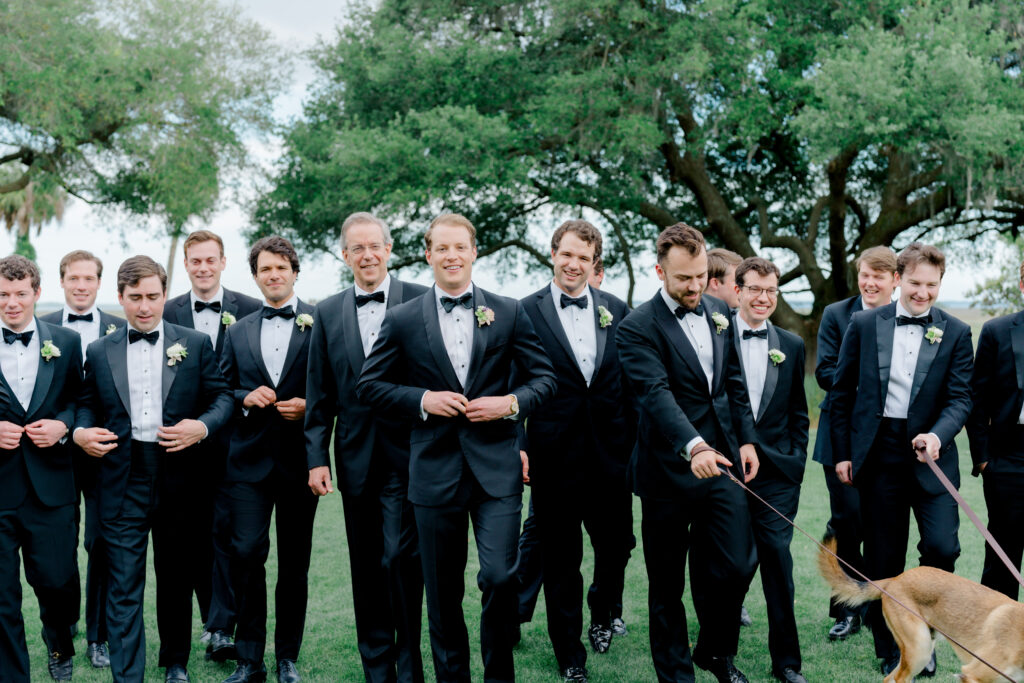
(264,361)
(151,393)
(903,376)
(996,433)
(210,309)
(876,273)
(722,265)
(695,417)
(464,365)
(41,368)
(578,447)
(371,454)
(80,276)
(773,371)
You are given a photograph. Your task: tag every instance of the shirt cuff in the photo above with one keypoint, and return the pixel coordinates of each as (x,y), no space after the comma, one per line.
(688,449)
(513,416)
(206,430)
(423,412)
(937,439)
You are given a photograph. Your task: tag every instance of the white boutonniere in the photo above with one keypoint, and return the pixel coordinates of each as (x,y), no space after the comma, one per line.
(721,322)
(176,354)
(49,350)
(304,320)
(776,356)
(226,319)
(604,317)
(484,316)
(111,329)
(933,335)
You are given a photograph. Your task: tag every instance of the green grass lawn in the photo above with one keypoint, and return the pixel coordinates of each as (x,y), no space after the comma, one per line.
(329,651)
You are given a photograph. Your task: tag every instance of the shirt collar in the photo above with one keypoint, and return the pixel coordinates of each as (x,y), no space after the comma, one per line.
(384,286)
(31,327)
(92,310)
(438,293)
(293,302)
(902,311)
(741,324)
(557,292)
(672,303)
(219,296)
(159,328)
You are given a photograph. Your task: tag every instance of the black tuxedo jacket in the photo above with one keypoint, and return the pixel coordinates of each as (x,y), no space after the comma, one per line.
(335,362)
(178,311)
(262,441)
(673,400)
(834,322)
(997,388)
(409,358)
(940,398)
(48,471)
(192,388)
(781,421)
(583,433)
(106,320)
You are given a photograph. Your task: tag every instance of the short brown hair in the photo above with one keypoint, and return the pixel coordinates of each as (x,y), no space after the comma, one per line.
(761,266)
(80,255)
(679,235)
(455,219)
(275,244)
(582,229)
(1022,272)
(877,258)
(599,265)
(136,268)
(916,253)
(719,261)
(17,267)
(202,236)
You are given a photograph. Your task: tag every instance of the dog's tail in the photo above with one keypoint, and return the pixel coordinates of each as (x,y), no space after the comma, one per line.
(846,590)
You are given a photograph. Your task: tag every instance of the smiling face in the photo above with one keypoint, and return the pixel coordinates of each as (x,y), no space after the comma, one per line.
(275,278)
(573,263)
(81,283)
(757,307)
(451,255)
(143,303)
(204,263)
(366,252)
(876,286)
(919,287)
(17,302)
(685,275)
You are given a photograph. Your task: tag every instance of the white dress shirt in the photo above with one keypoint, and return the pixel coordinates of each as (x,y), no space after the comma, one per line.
(275,335)
(145,386)
(207,321)
(906,348)
(371,314)
(20,364)
(581,329)
(755,361)
(698,333)
(88,331)
(457,332)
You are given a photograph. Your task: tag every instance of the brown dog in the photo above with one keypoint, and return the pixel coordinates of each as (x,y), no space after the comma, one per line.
(983,620)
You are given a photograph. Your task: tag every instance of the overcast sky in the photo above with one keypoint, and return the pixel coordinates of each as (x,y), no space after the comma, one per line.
(296,25)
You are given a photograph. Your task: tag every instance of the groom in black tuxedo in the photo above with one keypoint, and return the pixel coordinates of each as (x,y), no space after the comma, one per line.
(695,418)
(371,454)
(464,365)
(41,366)
(903,376)
(151,393)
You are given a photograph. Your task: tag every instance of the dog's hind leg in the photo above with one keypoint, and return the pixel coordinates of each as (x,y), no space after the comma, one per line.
(914,639)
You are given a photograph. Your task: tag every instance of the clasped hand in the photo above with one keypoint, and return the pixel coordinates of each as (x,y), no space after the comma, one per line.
(482,409)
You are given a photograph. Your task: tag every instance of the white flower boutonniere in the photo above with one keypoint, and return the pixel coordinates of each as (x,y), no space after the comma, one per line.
(304,320)
(176,354)
(484,316)
(226,319)
(111,329)
(776,356)
(933,335)
(721,322)
(49,351)
(604,317)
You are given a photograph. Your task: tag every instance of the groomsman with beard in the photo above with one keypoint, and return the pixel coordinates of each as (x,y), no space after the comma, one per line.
(773,371)
(464,365)
(903,376)
(876,273)
(41,366)
(151,393)
(371,454)
(80,276)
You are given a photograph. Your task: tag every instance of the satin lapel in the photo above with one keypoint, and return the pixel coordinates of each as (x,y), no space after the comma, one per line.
(546,305)
(885,328)
(228,305)
(169,371)
(718,342)
(117,359)
(435,342)
(927,355)
(350,325)
(771,377)
(252,337)
(12,397)
(481,337)
(295,341)
(600,332)
(44,373)
(738,346)
(1017,346)
(682,346)
(184,315)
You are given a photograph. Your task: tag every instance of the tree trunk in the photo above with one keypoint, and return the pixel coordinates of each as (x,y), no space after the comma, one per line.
(172,256)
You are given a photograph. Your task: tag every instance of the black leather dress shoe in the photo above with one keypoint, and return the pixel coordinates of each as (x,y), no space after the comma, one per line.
(176,673)
(722,669)
(889,665)
(248,672)
(98,655)
(286,671)
(220,648)
(789,675)
(844,628)
(745,619)
(929,669)
(60,666)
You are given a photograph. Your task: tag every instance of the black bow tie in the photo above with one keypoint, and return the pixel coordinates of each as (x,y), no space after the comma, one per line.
(135,335)
(580,301)
(285,312)
(213,306)
(908,320)
(24,337)
(450,302)
(760,334)
(681,311)
(74,317)
(363,299)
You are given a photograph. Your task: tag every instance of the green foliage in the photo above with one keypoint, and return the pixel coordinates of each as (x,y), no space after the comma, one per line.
(1000,294)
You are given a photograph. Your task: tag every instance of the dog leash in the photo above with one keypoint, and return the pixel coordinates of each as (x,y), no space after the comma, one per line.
(862,576)
(919,446)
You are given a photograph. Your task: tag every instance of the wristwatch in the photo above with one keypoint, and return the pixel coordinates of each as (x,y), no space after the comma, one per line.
(513,406)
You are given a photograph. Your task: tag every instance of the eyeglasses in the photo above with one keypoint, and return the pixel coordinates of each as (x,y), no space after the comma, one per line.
(756,291)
